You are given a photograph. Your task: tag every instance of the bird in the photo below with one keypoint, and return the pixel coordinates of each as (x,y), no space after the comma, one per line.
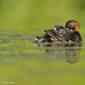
(68,35)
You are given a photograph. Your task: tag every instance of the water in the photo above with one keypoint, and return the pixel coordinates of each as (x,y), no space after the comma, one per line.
(22,63)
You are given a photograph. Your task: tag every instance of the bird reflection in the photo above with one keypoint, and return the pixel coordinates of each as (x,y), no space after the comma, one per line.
(71,54)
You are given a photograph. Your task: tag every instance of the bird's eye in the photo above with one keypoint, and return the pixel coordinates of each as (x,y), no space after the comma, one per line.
(68,25)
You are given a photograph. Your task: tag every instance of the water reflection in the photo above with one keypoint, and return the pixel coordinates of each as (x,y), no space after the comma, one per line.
(72,54)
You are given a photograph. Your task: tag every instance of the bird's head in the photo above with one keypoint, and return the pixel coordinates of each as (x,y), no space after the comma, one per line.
(72,25)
